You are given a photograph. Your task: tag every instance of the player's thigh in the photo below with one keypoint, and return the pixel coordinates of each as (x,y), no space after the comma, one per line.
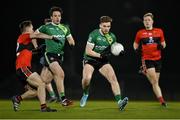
(108,72)
(35,80)
(151,75)
(46,75)
(87,71)
(56,68)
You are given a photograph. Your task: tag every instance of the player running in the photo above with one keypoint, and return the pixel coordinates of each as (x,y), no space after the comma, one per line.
(96,57)
(30,79)
(150,41)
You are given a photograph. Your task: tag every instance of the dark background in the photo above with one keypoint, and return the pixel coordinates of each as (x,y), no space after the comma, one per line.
(83,17)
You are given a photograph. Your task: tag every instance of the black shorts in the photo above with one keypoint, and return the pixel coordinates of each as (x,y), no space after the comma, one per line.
(96,63)
(153,64)
(51,57)
(22,74)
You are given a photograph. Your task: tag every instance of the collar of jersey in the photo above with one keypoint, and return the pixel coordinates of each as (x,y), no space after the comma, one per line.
(101,32)
(55,24)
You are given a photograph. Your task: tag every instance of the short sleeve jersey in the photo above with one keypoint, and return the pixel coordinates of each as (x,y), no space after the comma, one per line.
(100,41)
(149,39)
(24,57)
(61,31)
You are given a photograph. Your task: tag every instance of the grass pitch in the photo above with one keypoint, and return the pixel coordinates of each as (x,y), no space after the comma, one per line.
(93,110)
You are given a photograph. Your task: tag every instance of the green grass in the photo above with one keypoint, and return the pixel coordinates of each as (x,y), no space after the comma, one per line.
(93,110)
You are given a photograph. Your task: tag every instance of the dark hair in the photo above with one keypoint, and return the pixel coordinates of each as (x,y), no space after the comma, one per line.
(24,24)
(47,20)
(54,8)
(149,14)
(105,19)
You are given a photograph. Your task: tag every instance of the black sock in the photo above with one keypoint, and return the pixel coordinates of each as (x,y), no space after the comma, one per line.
(19,98)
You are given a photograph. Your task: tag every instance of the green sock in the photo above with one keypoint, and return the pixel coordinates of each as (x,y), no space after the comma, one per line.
(117,97)
(52,94)
(86,90)
(62,95)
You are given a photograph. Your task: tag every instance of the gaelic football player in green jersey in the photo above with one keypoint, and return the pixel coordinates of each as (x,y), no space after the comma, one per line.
(55,50)
(96,57)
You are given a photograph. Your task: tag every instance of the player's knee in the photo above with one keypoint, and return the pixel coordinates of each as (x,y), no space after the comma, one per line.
(112,77)
(113,82)
(154,82)
(87,78)
(41,84)
(60,75)
(47,80)
(33,92)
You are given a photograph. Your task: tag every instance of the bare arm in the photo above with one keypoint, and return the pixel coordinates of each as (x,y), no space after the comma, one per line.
(163,44)
(135,46)
(71,40)
(40,35)
(34,42)
(90,52)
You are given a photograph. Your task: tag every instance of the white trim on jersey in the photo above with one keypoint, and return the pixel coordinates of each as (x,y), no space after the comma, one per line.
(69,36)
(90,44)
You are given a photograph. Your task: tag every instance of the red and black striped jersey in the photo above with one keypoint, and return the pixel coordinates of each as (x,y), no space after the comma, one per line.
(24,56)
(149,39)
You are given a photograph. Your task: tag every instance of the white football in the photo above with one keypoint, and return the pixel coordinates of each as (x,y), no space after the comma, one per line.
(116,48)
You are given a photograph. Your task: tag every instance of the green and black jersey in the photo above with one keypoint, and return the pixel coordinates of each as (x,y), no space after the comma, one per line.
(99,41)
(60,31)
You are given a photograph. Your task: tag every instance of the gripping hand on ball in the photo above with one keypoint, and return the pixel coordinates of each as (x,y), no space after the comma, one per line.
(106,53)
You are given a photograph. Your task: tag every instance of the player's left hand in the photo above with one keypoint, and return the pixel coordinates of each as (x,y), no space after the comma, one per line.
(106,53)
(160,47)
(122,53)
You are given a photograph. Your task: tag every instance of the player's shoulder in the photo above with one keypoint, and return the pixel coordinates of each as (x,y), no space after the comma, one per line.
(65,25)
(93,34)
(47,25)
(157,29)
(94,31)
(23,36)
(42,26)
(141,30)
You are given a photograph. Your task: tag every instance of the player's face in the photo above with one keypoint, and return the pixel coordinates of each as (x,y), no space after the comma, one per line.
(105,27)
(148,22)
(29,29)
(56,17)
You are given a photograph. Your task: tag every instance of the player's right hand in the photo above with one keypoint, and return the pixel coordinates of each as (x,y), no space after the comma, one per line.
(138,51)
(56,39)
(39,49)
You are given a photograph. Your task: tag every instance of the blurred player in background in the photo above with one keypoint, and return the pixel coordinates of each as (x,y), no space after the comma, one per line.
(150,41)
